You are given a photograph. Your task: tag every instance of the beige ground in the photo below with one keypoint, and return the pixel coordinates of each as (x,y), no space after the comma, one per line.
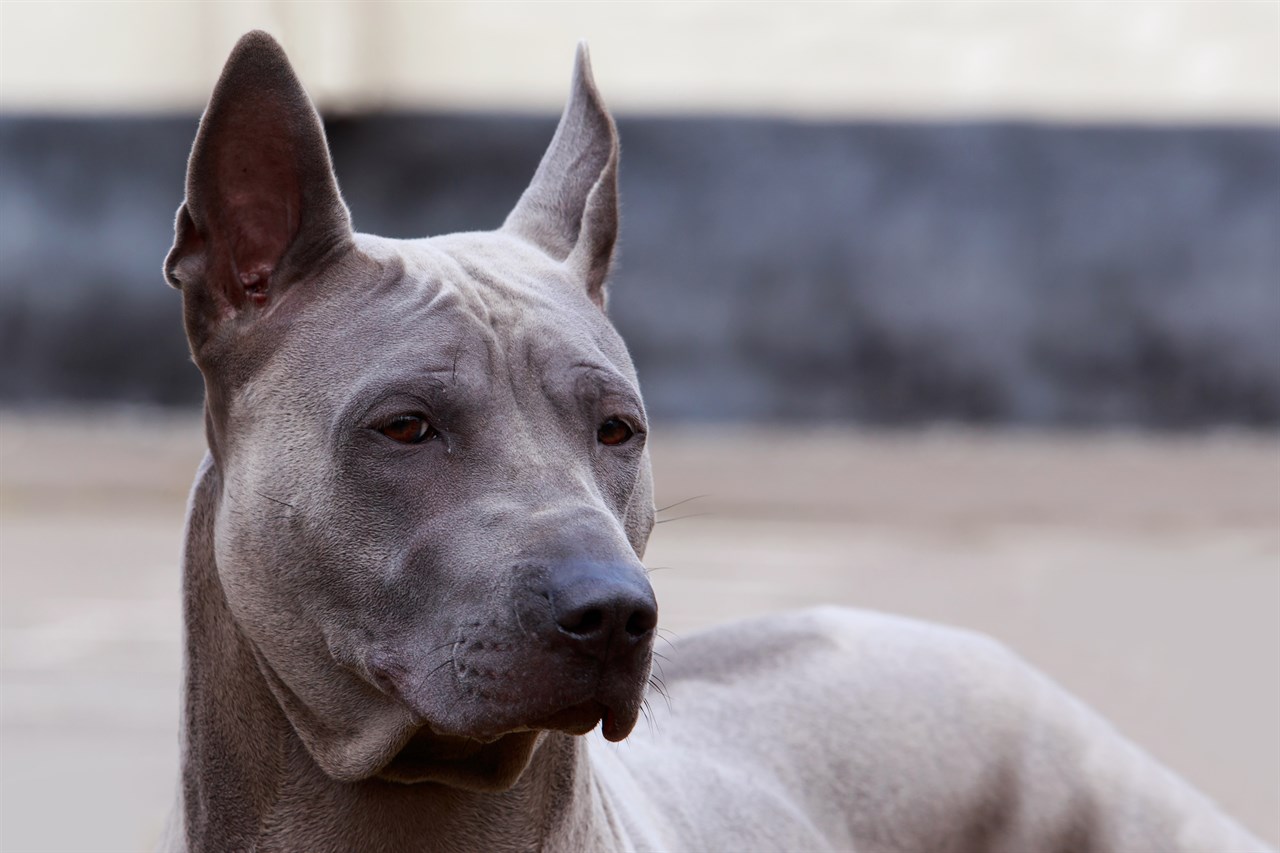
(1142,573)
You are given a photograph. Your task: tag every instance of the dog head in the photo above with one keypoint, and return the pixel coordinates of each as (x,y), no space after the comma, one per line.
(434,488)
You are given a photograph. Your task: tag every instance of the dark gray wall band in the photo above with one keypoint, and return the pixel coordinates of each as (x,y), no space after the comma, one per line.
(770,270)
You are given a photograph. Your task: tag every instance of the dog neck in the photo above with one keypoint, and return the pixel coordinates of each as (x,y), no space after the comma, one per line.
(249,783)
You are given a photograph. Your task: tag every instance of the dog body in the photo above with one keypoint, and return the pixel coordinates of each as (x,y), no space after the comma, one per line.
(412,574)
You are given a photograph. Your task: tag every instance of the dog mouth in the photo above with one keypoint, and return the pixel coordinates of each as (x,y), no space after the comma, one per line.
(498,703)
(615,718)
(429,755)
(577,719)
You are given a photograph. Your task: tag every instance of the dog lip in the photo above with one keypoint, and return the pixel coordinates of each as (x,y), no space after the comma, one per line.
(579,718)
(619,722)
(576,719)
(598,696)
(429,743)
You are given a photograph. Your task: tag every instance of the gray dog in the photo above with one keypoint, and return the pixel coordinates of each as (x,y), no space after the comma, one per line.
(412,572)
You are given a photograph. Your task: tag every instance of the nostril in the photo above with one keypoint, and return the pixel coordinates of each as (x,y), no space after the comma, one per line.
(582,622)
(641,622)
(602,610)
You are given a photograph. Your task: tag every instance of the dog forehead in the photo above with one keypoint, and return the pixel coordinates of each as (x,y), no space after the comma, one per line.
(497,289)
(479,307)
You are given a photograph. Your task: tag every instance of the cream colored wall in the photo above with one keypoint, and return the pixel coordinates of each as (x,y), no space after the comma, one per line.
(1126,60)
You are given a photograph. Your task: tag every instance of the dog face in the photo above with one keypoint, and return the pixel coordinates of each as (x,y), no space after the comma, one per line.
(434,488)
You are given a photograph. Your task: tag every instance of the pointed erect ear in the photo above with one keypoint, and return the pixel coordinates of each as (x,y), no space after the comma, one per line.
(570,210)
(262,205)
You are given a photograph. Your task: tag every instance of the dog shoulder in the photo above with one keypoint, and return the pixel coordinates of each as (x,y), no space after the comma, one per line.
(837,646)
(912,724)
(865,685)
(874,726)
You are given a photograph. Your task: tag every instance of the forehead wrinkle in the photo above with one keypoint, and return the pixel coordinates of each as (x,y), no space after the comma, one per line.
(515,298)
(513,307)
(435,263)
(528,310)
(433,285)
(512,282)
(415,330)
(502,299)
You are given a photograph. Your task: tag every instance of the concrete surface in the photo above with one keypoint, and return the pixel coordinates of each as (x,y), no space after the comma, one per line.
(1142,573)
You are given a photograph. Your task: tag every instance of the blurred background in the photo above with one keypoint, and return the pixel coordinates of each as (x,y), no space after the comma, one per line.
(963,310)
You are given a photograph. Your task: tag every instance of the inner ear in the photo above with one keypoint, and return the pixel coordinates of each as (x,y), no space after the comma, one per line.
(262,205)
(256,197)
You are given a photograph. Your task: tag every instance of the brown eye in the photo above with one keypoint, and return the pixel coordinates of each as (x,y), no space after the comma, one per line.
(408,429)
(614,431)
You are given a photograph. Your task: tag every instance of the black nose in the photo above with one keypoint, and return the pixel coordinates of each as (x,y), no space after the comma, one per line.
(604,610)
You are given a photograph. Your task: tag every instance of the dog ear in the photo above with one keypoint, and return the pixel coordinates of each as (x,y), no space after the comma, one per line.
(262,205)
(570,210)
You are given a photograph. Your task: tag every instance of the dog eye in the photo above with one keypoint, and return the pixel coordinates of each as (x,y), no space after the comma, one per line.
(408,429)
(614,431)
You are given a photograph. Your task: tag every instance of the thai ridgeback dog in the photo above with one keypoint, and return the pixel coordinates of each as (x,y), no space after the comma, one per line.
(413,582)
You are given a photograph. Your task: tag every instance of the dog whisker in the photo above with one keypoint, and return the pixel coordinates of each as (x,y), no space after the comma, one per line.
(439,667)
(660,687)
(679,503)
(443,645)
(456,699)
(274,500)
(648,717)
(681,517)
(427,677)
